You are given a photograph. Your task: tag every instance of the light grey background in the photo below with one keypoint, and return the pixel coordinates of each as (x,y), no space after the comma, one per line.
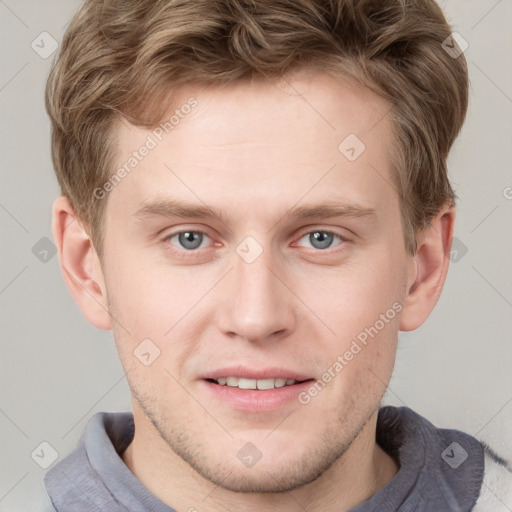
(57,370)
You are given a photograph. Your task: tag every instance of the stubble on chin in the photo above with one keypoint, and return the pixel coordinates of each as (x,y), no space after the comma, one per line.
(272,476)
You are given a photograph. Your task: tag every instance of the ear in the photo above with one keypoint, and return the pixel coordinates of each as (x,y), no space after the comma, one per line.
(430,267)
(80,265)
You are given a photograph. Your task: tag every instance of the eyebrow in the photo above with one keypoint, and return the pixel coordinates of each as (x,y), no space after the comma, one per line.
(177,208)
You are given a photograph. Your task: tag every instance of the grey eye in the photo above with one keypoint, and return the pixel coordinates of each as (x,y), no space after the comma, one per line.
(321,239)
(190,239)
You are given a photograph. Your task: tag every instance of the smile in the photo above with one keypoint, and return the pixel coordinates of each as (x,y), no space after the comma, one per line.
(260,384)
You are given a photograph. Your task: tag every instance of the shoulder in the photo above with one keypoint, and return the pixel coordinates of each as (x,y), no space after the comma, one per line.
(496,490)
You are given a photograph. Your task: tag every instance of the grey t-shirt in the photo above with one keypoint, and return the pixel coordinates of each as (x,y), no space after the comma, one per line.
(441,470)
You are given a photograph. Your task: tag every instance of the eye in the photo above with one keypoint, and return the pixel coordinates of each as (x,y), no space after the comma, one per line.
(188,240)
(321,239)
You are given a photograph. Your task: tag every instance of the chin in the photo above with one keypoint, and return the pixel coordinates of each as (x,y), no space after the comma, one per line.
(275,468)
(278,477)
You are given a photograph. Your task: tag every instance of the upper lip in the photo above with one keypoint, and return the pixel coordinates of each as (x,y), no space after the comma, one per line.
(258,374)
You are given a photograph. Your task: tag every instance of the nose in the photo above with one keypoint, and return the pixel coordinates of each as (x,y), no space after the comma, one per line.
(257,304)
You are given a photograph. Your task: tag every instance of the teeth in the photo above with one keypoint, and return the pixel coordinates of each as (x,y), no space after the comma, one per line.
(265,383)
(247,383)
(260,384)
(279,383)
(232,381)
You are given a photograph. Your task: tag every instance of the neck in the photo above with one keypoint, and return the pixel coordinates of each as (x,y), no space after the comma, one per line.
(362,471)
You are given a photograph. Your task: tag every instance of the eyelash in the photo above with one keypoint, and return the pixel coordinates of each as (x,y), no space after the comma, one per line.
(197,252)
(327,250)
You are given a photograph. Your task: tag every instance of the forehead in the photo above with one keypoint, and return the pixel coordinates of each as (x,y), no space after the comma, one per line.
(262,144)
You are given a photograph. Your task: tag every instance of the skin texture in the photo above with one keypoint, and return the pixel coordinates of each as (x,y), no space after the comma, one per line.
(255,152)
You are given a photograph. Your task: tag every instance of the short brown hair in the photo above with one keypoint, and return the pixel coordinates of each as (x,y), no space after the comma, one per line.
(123,58)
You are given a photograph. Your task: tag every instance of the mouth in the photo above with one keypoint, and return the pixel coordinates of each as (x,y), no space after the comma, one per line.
(255,391)
(259,384)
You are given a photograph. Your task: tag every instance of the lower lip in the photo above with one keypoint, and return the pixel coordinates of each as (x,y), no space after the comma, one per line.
(254,400)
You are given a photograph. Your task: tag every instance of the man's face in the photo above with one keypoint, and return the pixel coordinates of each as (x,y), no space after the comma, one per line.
(263,293)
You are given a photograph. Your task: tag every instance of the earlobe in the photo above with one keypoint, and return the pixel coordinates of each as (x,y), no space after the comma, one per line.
(80,265)
(431,263)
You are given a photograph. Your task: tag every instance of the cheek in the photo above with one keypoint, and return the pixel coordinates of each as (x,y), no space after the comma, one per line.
(152,297)
(353,297)
(158,303)
(361,303)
